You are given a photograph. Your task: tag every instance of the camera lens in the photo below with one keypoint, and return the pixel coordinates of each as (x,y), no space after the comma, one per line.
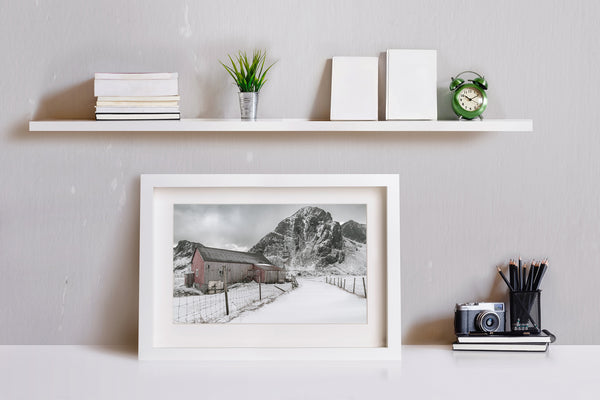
(487,321)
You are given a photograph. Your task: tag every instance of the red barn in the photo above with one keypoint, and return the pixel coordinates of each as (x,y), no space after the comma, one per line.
(208,267)
(267,273)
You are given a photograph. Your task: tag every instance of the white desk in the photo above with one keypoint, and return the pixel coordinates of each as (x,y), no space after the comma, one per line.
(425,372)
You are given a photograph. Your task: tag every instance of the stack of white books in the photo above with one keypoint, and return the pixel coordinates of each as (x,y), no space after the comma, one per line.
(137,96)
(503,342)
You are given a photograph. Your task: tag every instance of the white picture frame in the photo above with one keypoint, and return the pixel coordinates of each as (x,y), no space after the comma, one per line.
(159,338)
(411,85)
(354,88)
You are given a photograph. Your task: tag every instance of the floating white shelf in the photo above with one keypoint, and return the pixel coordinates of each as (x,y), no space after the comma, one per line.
(282,125)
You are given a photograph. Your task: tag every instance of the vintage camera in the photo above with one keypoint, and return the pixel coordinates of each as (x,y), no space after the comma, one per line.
(479,318)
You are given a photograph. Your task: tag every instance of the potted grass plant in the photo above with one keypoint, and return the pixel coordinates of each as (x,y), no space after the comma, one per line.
(249,75)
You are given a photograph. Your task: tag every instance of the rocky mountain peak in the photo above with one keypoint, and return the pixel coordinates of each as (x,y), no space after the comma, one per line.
(304,217)
(183,253)
(310,241)
(355,231)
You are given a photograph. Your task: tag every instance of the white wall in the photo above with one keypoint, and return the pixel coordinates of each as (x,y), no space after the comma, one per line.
(69,201)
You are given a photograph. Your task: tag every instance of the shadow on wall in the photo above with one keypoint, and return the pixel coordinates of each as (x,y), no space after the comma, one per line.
(75,102)
(322,104)
(444,103)
(214,95)
(434,331)
(441,330)
(382,86)
(119,317)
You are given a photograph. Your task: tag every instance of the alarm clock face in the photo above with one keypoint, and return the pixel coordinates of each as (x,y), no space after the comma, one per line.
(470,98)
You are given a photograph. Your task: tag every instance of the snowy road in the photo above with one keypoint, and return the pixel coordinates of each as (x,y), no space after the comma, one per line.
(313,302)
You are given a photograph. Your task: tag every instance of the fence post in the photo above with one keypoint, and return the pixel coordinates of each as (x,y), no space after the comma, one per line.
(344,284)
(364,286)
(259,286)
(354,286)
(225,289)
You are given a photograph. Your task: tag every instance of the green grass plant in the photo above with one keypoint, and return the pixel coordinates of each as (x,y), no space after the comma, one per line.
(249,74)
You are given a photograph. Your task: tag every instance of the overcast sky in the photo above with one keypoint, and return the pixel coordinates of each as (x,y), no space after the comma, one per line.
(241,226)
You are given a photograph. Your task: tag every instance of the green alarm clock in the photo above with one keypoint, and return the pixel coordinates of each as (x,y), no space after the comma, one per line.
(469,99)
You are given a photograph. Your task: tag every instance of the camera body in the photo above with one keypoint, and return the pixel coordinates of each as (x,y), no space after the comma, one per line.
(479,318)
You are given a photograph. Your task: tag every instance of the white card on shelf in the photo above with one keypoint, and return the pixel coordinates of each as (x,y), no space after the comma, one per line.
(354,89)
(411,85)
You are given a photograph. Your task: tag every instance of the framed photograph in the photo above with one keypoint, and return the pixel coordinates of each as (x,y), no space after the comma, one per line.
(269,267)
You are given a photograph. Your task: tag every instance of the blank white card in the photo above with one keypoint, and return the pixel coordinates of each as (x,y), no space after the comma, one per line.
(411,85)
(354,88)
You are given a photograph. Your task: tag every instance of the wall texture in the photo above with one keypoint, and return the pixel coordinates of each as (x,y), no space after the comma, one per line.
(69,201)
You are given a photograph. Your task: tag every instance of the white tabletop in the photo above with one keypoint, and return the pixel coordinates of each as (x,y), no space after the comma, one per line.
(425,372)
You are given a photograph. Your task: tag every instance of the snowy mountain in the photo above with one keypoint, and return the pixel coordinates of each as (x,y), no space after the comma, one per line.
(183,253)
(310,241)
(355,231)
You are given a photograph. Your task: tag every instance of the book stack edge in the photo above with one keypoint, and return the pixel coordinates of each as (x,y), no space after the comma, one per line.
(137,96)
(500,342)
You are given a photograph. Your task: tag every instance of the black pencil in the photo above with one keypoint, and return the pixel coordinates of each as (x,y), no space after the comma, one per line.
(538,281)
(529,285)
(520,276)
(536,273)
(512,270)
(505,280)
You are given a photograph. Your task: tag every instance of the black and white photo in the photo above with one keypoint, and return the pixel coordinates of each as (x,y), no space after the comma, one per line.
(269,263)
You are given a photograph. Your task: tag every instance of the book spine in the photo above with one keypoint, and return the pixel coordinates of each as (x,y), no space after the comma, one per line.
(140,87)
(139,75)
(137,104)
(139,98)
(121,117)
(136,110)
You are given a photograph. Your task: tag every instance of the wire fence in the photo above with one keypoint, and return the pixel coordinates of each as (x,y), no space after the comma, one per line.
(227,304)
(351,284)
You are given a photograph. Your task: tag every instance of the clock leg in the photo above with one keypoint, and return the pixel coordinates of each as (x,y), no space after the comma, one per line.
(481,117)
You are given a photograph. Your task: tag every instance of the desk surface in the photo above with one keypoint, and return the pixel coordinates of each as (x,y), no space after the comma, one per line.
(427,372)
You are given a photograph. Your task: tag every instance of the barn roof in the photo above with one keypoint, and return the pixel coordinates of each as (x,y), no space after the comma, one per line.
(222,255)
(268,267)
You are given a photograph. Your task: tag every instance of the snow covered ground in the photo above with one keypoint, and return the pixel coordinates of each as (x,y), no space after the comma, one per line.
(210,308)
(313,302)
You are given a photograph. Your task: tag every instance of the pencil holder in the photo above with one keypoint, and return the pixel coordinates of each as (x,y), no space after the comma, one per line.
(525,311)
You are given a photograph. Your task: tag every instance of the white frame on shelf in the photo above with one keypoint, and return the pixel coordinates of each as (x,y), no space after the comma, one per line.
(282,125)
(158,339)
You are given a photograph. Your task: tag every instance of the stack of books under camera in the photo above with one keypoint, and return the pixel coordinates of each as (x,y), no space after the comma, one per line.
(503,342)
(137,96)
